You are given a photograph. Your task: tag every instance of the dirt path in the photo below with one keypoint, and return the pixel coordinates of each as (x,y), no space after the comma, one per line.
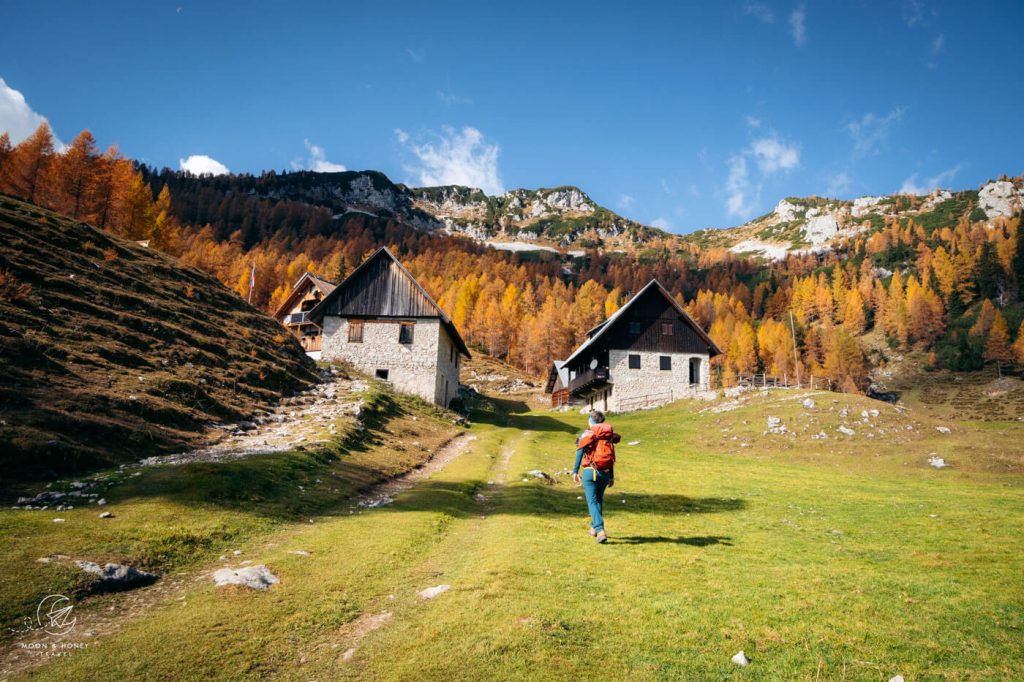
(384,493)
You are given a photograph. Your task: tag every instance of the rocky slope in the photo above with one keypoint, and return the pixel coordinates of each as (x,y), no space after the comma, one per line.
(809,224)
(559,218)
(110,351)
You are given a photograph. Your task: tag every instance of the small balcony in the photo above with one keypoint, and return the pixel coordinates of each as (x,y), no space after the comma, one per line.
(589,380)
(296,318)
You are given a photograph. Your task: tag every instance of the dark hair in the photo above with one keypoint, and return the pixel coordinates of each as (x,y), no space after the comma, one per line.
(597,416)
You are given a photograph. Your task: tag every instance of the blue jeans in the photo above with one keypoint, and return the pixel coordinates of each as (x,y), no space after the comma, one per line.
(594,483)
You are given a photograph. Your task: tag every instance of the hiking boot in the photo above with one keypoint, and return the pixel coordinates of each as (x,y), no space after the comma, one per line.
(593,533)
(601,537)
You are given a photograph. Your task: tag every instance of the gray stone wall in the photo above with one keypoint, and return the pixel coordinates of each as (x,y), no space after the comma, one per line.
(649,386)
(412,368)
(448,364)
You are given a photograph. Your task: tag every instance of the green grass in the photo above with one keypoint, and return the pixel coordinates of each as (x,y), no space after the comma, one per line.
(176,517)
(836,559)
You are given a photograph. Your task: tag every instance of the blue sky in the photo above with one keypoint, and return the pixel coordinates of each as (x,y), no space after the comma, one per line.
(684,115)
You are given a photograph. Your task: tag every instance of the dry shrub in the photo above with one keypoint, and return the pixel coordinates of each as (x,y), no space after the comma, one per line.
(279,339)
(11,289)
(109,255)
(190,291)
(246,333)
(88,245)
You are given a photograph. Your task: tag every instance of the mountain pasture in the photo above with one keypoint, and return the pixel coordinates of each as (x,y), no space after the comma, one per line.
(846,557)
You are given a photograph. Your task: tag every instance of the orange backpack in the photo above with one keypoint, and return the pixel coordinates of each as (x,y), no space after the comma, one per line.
(598,446)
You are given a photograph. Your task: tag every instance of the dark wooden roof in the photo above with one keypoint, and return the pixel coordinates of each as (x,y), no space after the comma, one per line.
(382,287)
(299,289)
(650,307)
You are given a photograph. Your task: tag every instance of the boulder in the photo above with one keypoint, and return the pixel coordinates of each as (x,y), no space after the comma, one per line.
(773,422)
(937,462)
(257,577)
(432,592)
(106,515)
(809,403)
(942,429)
(741,659)
(845,430)
(117,576)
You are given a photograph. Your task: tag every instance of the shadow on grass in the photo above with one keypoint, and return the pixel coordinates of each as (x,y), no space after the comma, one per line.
(516,414)
(698,541)
(456,499)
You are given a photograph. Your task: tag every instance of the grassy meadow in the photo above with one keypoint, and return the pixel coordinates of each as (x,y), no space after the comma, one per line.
(846,557)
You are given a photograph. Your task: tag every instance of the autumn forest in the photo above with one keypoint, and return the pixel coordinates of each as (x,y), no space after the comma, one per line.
(952,291)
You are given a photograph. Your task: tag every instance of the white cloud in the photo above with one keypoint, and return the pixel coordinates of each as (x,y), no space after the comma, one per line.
(871,130)
(839,184)
(753,122)
(912,186)
(738,187)
(201,164)
(797,24)
(625,202)
(416,56)
(773,155)
(661,224)
(759,11)
(666,188)
(455,157)
(17,118)
(317,160)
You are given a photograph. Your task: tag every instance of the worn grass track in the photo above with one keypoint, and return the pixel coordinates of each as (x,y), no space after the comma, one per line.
(846,560)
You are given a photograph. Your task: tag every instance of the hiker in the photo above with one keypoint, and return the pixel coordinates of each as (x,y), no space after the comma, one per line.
(595,450)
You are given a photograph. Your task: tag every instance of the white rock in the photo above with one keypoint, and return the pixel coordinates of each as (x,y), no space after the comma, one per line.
(896,678)
(741,659)
(999,198)
(846,430)
(808,403)
(300,552)
(937,462)
(256,577)
(942,429)
(873,413)
(633,442)
(774,422)
(102,501)
(58,520)
(106,515)
(432,592)
(117,575)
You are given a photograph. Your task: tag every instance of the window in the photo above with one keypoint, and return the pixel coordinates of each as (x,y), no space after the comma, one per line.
(405,332)
(355,332)
(666,329)
(634,361)
(665,362)
(695,371)
(634,327)
(381,374)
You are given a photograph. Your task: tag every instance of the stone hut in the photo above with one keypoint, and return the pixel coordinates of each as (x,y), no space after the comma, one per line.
(648,353)
(382,322)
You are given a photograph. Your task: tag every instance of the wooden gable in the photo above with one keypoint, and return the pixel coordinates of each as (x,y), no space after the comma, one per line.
(381,287)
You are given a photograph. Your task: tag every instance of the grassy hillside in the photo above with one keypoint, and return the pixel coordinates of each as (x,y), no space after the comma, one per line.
(110,351)
(840,558)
